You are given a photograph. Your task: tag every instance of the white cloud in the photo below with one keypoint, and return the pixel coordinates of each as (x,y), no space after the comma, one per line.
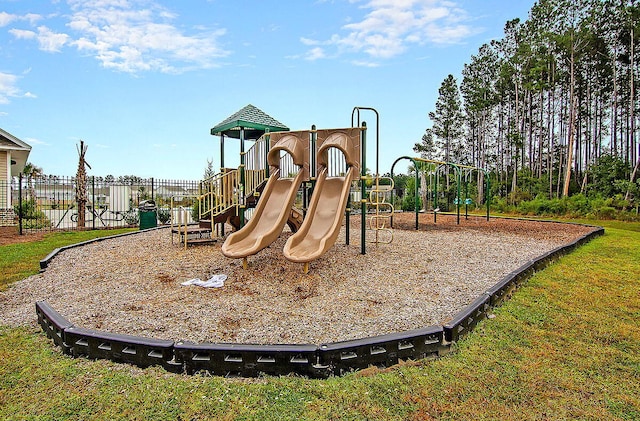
(315,54)
(390,27)
(365,63)
(308,41)
(8,88)
(33,141)
(48,40)
(6,18)
(32,18)
(23,34)
(128,38)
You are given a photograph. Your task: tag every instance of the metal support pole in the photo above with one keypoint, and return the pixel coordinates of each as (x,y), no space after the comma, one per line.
(459,180)
(348,212)
(20,207)
(363,188)
(267,148)
(488,194)
(435,197)
(221,153)
(241,186)
(466,196)
(93,201)
(221,172)
(416,198)
(312,152)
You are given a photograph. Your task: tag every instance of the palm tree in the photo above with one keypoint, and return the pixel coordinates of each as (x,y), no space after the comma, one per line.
(32,172)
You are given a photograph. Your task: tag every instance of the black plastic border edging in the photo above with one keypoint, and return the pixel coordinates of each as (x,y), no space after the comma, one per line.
(468,318)
(247,360)
(316,361)
(44,263)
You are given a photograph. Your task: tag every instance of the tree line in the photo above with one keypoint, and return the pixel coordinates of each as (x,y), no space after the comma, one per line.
(548,105)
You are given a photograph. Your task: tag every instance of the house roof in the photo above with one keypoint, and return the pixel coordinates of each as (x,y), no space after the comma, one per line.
(19,151)
(253,120)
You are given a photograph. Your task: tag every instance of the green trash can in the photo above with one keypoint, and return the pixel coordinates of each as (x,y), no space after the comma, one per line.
(148,214)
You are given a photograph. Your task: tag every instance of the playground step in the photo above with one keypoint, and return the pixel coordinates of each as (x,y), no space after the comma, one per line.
(194,235)
(201,240)
(191,230)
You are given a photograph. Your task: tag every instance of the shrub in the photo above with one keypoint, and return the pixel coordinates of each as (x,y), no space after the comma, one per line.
(606,212)
(131,217)
(32,218)
(164,215)
(501,205)
(578,205)
(409,203)
(195,211)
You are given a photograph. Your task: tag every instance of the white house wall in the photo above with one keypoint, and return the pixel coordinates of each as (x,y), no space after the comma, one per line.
(5,176)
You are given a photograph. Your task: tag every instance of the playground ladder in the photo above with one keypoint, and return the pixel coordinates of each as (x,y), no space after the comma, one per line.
(380,221)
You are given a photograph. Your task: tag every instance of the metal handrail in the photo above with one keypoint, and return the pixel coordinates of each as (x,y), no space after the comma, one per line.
(223,191)
(219,193)
(255,165)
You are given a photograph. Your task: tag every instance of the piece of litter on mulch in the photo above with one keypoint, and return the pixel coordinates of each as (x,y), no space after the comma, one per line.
(191,281)
(216,281)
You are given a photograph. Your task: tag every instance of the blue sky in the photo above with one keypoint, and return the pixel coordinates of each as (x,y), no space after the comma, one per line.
(143,81)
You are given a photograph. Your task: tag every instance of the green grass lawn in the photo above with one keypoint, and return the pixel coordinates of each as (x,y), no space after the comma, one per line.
(566,346)
(17,261)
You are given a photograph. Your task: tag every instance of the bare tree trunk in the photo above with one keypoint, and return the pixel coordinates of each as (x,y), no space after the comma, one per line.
(633,177)
(572,131)
(632,101)
(572,127)
(514,181)
(81,185)
(613,146)
(423,190)
(563,129)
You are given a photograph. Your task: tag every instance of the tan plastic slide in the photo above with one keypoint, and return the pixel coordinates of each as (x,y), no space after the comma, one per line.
(274,207)
(321,226)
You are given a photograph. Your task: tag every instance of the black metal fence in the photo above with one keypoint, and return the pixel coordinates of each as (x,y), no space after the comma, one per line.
(49,203)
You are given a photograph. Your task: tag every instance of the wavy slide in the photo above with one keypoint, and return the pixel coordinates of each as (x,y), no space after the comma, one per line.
(320,228)
(275,204)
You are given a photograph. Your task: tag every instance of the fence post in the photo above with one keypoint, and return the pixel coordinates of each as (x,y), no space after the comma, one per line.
(152,190)
(93,201)
(20,203)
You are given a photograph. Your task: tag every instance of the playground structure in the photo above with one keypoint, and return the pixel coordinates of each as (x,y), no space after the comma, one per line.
(306,179)
(327,185)
(434,170)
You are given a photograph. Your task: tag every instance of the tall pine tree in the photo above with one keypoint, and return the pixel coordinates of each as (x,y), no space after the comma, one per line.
(448,121)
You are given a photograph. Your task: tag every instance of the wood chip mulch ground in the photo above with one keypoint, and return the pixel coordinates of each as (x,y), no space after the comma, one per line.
(132,284)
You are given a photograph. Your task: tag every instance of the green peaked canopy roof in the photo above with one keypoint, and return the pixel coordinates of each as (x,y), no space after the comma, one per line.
(253,120)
